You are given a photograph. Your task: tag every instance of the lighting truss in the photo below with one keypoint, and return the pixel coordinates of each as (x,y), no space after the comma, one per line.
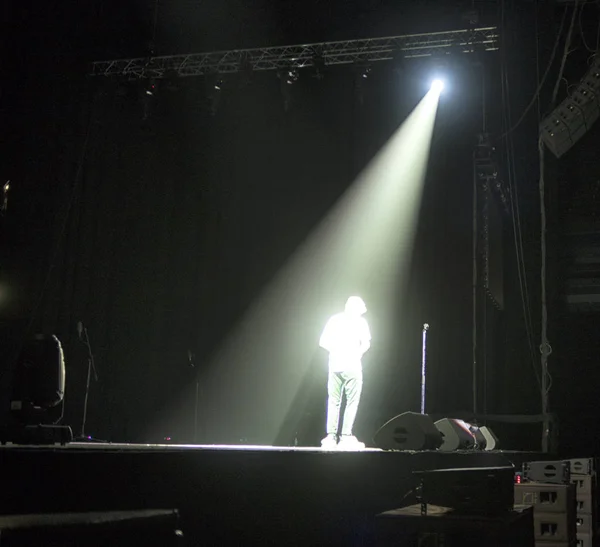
(302,56)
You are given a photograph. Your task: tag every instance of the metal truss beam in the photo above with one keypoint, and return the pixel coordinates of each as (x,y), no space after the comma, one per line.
(301,56)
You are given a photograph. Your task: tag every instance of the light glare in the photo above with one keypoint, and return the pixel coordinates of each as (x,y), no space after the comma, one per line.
(437,85)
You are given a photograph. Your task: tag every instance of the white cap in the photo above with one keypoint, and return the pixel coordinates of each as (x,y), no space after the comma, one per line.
(355,304)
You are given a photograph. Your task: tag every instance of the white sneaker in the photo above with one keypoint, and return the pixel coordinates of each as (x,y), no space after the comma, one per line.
(349,442)
(329,442)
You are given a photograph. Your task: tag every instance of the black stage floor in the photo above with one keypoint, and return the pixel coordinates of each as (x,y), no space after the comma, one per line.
(242,495)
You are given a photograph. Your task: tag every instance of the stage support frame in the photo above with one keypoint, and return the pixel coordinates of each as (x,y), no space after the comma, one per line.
(293,57)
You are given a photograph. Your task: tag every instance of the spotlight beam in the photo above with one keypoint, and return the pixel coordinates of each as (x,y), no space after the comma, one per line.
(365,242)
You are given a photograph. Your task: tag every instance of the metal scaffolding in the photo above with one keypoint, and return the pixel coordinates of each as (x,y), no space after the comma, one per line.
(301,56)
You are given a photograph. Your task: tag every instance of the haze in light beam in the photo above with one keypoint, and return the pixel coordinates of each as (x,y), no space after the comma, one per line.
(362,246)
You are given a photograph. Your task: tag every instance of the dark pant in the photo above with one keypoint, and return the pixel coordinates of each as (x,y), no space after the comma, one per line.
(338,385)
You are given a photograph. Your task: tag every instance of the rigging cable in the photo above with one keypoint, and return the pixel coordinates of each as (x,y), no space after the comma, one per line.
(545,347)
(153,43)
(542,81)
(515,211)
(62,222)
(583,40)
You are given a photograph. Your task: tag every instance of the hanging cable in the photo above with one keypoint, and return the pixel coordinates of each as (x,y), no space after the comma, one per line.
(537,63)
(62,227)
(542,81)
(598,31)
(582,34)
(545,347)
(520,253)
(515,211)
(518,235)
(155,24)
(565,55)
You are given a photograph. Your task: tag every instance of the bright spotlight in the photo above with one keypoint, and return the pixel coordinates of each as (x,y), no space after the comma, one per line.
(437,85)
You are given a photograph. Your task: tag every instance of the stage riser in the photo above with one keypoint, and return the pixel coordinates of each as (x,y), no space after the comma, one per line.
(227,495)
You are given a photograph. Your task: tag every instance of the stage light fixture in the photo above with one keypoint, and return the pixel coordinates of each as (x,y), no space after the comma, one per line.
(319,66)
(214,87)
(151,88)
(289,76)
(437,85)
(40,377)
(37,398)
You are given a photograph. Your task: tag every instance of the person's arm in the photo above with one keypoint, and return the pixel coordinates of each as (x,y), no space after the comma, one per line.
(365,341)
(325,340)
(364,346)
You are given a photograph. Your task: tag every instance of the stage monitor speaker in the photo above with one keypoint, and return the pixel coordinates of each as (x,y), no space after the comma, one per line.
(408,431)
(455,434)
(491,441)
(480,440)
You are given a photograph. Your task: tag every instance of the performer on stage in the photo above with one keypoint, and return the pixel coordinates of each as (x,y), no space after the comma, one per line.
(347,338)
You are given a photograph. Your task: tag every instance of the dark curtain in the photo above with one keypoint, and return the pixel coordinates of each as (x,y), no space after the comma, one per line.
(165,222)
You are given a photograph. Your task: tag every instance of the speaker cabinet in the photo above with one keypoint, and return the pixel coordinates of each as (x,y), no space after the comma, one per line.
(408,431)
(480,439)
(455,435)
(554,472)
(491,441)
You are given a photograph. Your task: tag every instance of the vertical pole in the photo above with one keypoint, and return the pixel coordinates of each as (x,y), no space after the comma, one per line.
(424,366)
(544,346)
(474,250)
(85,402)
(475,246)
(196,410)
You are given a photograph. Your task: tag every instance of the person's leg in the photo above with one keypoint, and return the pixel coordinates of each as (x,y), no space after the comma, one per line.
(334,391)
(353,389)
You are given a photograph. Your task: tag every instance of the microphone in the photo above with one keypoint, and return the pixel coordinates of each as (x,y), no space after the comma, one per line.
(191,358)
(425,326)
(79,329)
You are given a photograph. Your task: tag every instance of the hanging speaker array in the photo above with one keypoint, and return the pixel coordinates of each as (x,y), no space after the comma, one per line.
(575,115)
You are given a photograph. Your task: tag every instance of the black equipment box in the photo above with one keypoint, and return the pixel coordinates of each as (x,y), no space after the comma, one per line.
(477,490)
(408,527)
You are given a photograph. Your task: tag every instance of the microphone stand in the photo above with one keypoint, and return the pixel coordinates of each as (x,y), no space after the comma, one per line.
(196,409)
(192,364)
(423,366)
(91,369)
